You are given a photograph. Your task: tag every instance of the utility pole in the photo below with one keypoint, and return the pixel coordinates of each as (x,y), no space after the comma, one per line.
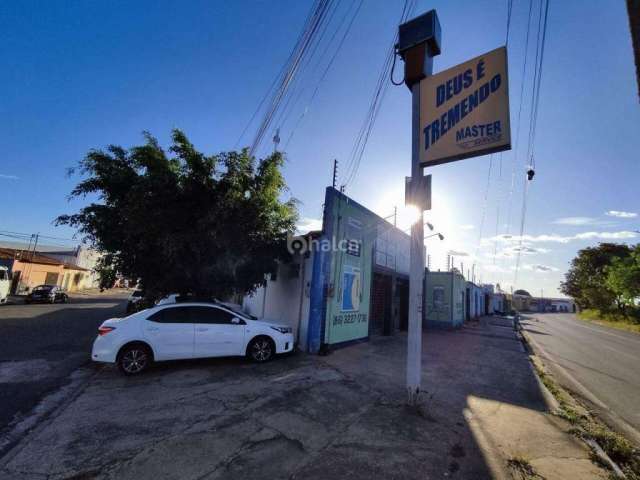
(395,216)
(418,42)
(335,172)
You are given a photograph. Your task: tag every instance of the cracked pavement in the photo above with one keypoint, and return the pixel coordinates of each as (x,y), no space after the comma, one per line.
(302,416)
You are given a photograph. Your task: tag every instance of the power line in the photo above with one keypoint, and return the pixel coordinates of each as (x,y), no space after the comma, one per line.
(328,66)
(382,84)
(509,11)
(518,120)
(299,85)
(300,51)
(535,99)
(275,81)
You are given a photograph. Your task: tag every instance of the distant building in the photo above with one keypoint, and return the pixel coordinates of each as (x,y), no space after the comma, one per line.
(474,301)
(80,256)
(29,269)
(444,299)
(521,301)
(496,300)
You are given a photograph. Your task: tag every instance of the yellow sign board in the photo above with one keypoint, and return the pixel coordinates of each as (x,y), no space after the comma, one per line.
(464,111)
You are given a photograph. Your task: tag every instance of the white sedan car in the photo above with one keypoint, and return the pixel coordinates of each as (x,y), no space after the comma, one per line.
(187,330)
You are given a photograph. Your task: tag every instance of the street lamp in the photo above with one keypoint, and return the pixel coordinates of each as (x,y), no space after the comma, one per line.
(429,225)
(440,236)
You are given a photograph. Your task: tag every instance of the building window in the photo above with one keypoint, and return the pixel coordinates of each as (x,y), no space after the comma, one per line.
(438,296)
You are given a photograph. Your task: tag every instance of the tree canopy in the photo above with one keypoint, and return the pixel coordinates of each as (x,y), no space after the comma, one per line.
(182,221)
(603,277)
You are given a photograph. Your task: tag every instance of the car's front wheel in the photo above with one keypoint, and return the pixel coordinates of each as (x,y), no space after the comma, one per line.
(134,359)
(261,349)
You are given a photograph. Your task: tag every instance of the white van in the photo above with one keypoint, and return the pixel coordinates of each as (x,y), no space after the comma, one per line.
(5,284)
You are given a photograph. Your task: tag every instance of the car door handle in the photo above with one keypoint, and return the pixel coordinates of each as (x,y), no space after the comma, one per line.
(202,329)
(152,329)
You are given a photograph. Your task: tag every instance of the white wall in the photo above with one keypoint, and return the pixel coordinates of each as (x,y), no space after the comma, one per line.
(287,299)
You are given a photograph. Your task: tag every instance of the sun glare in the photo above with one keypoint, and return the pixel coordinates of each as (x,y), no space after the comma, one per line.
(408,215)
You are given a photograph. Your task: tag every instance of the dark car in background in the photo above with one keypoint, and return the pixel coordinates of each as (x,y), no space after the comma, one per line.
(47,294)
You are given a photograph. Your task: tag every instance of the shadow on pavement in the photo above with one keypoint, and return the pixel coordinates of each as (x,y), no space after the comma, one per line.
(304,416)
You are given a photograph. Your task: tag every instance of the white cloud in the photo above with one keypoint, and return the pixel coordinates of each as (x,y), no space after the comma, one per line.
(553,238)
(467,227)
(306,224)
(621,214)
(540,268)
(575,221)
(9,177)
(512,251)
(623,235)
(497,268)
(458,253)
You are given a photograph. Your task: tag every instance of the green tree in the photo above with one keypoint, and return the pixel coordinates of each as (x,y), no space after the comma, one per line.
(623,279)
(184,222)
(586,280)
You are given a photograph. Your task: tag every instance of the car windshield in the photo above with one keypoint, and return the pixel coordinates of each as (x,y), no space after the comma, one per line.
(137,293)
(43,288)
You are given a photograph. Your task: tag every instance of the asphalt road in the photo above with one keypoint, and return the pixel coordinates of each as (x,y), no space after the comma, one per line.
(598,363)
(41,345)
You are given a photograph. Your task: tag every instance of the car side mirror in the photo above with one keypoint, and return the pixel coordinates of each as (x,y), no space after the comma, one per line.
(236,321)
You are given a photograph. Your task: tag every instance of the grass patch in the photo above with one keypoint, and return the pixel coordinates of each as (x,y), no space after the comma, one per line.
(567,411)
(612,320)
(522,467)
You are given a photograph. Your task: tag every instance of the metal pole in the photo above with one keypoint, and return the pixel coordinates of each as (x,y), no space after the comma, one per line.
(416,272)
(335,172)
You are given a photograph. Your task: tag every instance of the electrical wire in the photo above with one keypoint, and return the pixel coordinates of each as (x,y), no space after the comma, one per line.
(299,83)
(509,11)
(275,81)
(535,99)
(328,66)
(299,53)
(518,121)
(380,90)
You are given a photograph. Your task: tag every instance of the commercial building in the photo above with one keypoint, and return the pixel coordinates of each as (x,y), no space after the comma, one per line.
(350,280)
(344,283)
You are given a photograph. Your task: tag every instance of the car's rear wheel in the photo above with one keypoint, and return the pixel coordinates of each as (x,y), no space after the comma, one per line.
(261,349)
(134,359)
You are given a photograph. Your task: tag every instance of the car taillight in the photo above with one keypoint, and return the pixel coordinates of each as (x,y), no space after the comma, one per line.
(105,330)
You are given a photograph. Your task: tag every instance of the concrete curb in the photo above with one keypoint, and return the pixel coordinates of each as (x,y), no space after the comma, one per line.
(554,405)
(552,402)
(602,455)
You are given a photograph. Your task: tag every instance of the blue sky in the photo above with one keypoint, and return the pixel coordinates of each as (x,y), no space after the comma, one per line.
(83,74)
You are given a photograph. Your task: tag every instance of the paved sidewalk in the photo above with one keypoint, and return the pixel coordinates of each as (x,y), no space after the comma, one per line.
(309,417)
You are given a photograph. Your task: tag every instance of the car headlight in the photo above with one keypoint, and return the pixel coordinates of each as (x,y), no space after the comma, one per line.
(283,329)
